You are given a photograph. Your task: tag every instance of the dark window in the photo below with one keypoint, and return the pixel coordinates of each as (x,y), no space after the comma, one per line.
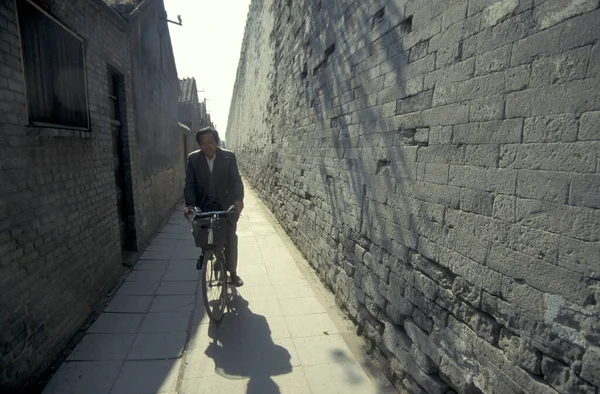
(53,59)
(113,97)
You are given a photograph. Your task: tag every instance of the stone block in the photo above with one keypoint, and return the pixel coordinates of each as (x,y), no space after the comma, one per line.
(561,378)
(544,43)
(559,69)
(439,274)
(418,102)
(445,115)
(467,291)
(427,306)
(549,279)
(585,190)
(499,11)
(575,222)
(508,315)
(553,128)
(505,131)
(483,325)
(433,173)
(454,13)
(440,135)
(517,78)
(576,96)
(493,61)
(543,185)
(579,256)
(553,12)
(458,72)
(487,179)
(422,320)
(520,352)
(482,155)
(396,341)
(589,126)
(576,157)
(488,108)
(590,369)
(594,63)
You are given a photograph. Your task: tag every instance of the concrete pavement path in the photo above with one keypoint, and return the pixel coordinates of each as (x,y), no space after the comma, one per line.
(282,333)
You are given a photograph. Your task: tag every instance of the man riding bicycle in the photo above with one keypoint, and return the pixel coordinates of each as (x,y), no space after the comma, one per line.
(213,182)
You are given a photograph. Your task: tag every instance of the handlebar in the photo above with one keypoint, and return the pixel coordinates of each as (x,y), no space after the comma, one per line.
(195,211)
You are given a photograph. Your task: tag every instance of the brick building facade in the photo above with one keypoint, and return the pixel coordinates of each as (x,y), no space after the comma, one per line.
(90,162)
(437,162)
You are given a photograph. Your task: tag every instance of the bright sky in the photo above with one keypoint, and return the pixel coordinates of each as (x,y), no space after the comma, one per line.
(207,47)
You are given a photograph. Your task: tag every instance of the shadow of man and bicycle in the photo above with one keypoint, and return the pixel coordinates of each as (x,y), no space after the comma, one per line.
(248,352)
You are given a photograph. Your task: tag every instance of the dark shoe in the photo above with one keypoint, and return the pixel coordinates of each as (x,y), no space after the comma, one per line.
(236,281)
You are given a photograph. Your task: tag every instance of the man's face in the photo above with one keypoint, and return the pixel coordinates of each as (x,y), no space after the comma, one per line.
(208,145)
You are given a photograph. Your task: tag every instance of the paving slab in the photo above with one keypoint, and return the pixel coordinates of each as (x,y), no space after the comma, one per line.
(165,322)
(161,345)
(147,376)
(97,347)
(278,335)
(117,323)
(90,377)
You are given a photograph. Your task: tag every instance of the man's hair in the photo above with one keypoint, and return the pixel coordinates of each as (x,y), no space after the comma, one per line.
(207,131)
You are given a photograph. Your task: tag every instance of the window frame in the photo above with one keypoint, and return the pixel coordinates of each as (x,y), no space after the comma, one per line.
(52,18)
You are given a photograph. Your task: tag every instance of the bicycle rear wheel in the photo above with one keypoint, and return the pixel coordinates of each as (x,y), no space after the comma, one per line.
(214,285)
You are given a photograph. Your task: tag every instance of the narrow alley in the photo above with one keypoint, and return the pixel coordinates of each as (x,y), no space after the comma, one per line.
(281,334)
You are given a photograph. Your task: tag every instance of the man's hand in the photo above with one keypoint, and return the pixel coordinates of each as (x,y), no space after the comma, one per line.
(239,206)
(187,211)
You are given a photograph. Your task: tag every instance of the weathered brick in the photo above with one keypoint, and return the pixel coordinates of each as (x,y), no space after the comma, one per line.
(568,66)
(576,96)
(440,135)
(560,376)
(516,349)
(589,126)
(585,190)
(579,256)
(490,179)
(454,13)
(455,73)
(594,63)
(550,157)
(507,131)
(489,108)
(476,201)
(543,185)
(552,279)
(553,12)
(492,61)
(498,11)
(562,219)
(590,369)
(552,128)
(418,102)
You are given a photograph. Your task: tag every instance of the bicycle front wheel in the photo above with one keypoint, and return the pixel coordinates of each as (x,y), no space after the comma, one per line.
(214,285)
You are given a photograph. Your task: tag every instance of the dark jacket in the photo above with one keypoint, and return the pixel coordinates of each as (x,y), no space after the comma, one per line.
(228,182)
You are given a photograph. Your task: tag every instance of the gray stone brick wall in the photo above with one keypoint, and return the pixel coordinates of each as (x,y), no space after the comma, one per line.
(60,246)
(437,163)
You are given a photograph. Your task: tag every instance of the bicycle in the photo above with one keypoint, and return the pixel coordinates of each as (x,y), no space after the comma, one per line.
(210,233)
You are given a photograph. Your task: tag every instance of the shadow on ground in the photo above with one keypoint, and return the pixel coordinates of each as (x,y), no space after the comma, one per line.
(255,356)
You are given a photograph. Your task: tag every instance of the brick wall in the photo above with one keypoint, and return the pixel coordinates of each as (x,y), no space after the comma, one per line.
(437,163)
(159,176)
(59,239)
(60,245)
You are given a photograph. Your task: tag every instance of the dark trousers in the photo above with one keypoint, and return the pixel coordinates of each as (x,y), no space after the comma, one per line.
(231,245)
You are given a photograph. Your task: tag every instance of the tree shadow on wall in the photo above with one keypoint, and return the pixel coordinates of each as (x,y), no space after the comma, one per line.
(362,201)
